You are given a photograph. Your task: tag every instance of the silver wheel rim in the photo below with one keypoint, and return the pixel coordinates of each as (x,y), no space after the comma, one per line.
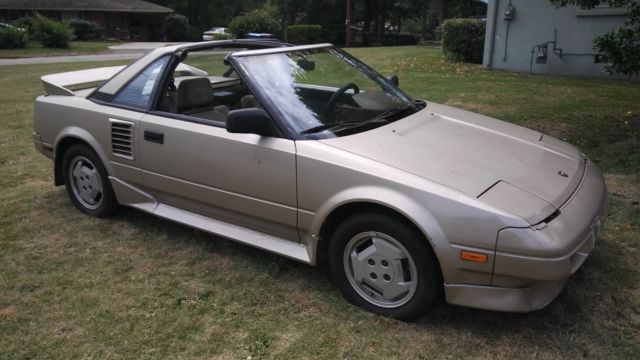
(380,269)
(85,182)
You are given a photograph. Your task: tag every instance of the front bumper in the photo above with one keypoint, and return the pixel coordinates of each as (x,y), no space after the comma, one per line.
(532,264)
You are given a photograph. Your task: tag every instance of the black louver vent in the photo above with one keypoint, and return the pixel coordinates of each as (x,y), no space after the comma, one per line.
(102,96)
(122,139)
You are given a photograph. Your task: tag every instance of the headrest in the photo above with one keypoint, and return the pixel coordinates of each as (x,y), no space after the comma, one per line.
(194,93)
(249,101)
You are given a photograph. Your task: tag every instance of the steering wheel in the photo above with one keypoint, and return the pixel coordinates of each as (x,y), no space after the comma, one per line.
(334,98)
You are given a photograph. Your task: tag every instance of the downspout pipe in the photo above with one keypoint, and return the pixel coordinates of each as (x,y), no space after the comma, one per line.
(492,8)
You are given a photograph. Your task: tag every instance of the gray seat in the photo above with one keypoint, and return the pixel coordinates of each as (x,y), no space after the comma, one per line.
(195,98)
(249,101)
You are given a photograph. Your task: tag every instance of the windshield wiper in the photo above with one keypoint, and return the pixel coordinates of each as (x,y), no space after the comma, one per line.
(395,111)
(382,117)
(344,124)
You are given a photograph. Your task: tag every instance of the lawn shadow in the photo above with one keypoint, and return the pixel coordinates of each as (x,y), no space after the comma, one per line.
(592,305)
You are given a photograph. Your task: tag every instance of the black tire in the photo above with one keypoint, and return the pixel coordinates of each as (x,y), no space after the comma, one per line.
(428,285)
(105,203)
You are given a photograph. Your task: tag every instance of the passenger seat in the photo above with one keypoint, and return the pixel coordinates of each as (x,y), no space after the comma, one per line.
(195,98)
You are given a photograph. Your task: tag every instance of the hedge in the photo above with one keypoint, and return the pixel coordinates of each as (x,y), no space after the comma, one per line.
(85,30)
(51,33)
(303,34)
(24,23)
(177,28)
(224,36)
(13,38)
(256,21)
(463,39)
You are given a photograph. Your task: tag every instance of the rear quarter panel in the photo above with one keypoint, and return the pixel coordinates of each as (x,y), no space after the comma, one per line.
(60,117)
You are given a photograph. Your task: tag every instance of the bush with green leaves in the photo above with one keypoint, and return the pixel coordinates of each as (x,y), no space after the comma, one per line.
(51,33)
(257,21)
(463,39)
(224,36)
(24,23)
(85,30)
(303,34)
(622,46)
(13,38)
(177,28)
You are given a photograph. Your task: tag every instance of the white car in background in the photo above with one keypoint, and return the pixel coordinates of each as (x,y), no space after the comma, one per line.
(210,34)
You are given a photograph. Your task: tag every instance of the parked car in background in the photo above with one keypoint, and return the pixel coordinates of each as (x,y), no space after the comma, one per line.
(307,152)
(211,33)
(8,26)
(253,35)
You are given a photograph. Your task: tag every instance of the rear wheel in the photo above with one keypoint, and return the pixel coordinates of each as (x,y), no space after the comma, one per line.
(384,265)
(87,183)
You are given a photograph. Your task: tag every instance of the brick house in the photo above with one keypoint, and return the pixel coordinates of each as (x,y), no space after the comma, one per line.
(133,20)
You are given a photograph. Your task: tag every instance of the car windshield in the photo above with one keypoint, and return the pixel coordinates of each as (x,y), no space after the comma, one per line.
(325,92)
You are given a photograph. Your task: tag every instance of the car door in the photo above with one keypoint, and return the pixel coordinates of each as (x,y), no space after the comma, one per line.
(243,179)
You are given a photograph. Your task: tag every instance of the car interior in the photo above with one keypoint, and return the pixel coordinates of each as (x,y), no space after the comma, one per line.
(206,97)
(193,90)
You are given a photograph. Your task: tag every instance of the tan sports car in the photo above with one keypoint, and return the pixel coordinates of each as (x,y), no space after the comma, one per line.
(307,152)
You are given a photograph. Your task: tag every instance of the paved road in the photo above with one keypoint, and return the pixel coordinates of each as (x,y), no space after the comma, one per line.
(70,58)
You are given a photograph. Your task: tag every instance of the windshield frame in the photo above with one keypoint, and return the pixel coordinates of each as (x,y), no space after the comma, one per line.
(271,107)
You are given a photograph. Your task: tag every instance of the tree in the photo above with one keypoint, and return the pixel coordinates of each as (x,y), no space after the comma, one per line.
(622,46)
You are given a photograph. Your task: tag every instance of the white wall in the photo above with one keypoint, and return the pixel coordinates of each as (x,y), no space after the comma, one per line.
(534,23)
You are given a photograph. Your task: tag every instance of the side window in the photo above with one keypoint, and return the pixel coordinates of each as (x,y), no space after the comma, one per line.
(138,92)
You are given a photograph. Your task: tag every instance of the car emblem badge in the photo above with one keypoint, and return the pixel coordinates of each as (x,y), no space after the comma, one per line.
(563,174)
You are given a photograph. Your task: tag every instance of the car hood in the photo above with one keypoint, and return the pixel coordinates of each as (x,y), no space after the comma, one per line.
(504,165)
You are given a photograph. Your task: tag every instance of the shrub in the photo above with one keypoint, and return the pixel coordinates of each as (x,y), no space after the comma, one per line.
(85,30)
(222,36)
(303,34)
(463,39)
(258,21)
(177,28)
(24,23)
(13,38)
(51,33)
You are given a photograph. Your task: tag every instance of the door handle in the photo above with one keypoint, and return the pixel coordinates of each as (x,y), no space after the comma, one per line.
(155,137)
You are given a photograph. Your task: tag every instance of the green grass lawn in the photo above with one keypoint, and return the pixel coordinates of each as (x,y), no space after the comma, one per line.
(34,49)
(136,286)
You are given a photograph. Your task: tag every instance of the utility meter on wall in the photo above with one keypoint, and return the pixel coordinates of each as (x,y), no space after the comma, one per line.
(509,12)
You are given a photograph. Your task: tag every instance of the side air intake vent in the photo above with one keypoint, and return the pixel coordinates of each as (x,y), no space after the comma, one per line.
(102,96)
(122,139)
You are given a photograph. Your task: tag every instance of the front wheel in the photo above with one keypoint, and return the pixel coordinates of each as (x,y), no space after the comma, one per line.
(87,183)
(384,265)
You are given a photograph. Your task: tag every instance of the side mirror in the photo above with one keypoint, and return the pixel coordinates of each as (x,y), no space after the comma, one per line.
(394,79)
(251,121)
(306,65)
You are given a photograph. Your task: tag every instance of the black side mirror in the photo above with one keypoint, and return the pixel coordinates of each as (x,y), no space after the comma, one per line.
(306,65)
(251,121)
(394,79)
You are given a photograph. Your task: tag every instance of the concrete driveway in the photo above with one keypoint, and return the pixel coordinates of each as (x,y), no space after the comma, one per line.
(126,51)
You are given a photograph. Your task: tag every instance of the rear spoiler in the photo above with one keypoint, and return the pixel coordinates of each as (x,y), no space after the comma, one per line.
(65,83)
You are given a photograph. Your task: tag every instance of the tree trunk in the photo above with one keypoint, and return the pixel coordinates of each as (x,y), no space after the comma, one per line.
(443,12)
(366,28)
(423,22)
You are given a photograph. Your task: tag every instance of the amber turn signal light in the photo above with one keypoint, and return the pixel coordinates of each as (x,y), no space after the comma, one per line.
(475,257)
